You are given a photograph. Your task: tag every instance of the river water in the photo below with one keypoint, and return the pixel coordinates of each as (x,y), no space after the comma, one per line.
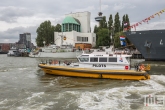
(24,86)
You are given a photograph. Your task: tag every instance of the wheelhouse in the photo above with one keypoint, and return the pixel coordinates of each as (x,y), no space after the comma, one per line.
(102,58)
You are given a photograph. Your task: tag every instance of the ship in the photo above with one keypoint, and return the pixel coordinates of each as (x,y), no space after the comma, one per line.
(150,43)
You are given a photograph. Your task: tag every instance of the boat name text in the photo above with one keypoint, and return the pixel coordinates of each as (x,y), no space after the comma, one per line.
(98,55)
(99,65)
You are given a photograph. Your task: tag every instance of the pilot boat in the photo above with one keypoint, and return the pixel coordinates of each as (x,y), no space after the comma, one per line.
(105,64)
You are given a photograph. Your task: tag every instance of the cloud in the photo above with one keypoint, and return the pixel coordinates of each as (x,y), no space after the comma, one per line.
(121,6)
(151,26)
(89,8)
(19,16)
(12,34)
(104,7)
(11,14)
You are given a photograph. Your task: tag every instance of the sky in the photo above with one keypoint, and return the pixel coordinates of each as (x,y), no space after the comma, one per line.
(21,16)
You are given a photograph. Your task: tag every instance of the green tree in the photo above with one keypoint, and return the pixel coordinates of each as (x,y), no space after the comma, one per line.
(117,26)
(123,21)
(110,25)
(103,23)
(45,32)
(127,20)
(58,28)
(117,39)
(128,25)
(103,37)
(96,29)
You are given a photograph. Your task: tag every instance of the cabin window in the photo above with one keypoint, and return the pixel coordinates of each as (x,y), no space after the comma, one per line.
(103,59)
(84,59)
(94,59)
(128,59)
(112,59)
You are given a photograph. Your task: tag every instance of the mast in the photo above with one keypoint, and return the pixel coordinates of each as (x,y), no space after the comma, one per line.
(99,18)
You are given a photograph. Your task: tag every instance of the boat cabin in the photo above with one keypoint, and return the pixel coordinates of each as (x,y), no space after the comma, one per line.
(104,61)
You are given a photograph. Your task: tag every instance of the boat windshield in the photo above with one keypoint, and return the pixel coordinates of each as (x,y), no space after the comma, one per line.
(128,59)
(84,59)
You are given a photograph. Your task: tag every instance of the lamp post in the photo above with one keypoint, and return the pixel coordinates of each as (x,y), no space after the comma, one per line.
(112,38)
(44,43)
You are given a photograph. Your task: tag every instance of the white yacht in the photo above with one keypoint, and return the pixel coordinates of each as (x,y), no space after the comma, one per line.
(13,52)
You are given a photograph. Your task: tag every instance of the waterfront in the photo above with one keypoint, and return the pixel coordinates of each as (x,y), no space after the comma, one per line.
(23,86)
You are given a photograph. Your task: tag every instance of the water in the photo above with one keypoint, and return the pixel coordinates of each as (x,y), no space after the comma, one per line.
(24,86)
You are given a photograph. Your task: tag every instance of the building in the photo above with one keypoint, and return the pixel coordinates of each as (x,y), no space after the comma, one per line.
(5,47)
(24,41)
(76,31)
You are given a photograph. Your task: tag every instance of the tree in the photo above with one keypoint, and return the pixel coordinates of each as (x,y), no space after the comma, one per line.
(127,20)
(110,25)
(96,29)
(128,25)
(123,22)
(45,32)
(103,37)
(58,28)
(103,23)
(117,26)
(117,39)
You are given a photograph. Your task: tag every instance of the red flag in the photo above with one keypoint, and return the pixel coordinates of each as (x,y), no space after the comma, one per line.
(136,24)
(152,16)
(135,27)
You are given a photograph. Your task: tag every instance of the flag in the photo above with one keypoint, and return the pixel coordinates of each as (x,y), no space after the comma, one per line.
(121,42)
(125,24)
(122,38)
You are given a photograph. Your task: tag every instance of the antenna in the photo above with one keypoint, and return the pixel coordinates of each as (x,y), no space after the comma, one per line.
(99,18)
(100,5)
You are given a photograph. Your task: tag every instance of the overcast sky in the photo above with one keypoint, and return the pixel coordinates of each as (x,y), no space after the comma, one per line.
(20,16)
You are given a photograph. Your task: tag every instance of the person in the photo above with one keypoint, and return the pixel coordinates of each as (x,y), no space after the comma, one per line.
(142,68)
(136,67)
(59,62)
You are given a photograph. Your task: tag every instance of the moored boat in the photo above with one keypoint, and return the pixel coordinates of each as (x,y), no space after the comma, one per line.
(98,65)
(13,52)
(53,51)
(149,43)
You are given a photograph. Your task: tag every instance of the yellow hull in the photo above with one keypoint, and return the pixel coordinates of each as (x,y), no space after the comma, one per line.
(89,73)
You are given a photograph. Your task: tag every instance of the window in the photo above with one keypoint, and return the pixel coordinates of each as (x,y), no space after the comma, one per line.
(84,59)
(82,39)
(70,27)
(94,59)
(112,59)
(94,39)
(128,59)
(103,59)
